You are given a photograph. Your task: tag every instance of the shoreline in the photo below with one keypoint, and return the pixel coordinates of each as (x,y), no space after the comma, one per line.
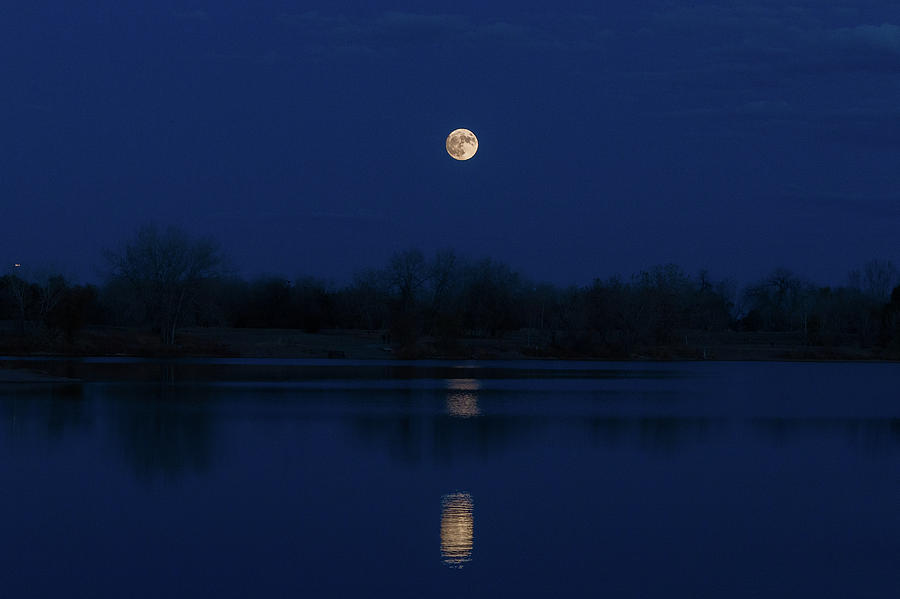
(698,346)
(190,357)
(28,376)
(53,370)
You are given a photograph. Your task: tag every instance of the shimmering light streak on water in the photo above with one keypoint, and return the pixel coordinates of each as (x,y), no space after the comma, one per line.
(457,529)
(462,397)
(293,478)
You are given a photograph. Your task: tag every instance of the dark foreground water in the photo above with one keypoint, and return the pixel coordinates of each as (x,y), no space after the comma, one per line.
(306,479)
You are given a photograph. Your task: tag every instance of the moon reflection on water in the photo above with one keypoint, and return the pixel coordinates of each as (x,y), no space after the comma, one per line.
(457,529)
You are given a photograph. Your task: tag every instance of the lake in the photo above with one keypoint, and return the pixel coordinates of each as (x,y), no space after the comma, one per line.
(292,478)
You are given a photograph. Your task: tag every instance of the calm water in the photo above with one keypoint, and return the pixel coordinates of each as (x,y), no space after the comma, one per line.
(302,479)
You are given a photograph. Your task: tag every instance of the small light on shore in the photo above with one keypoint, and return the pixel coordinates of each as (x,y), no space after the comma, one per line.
(17,265)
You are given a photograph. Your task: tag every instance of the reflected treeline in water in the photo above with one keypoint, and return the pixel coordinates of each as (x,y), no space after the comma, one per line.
(669,434)
(463,428)
(168,430)
(110,369)
(462,397)
(161,431)
(158,430)
(664,433)
(457,529)
(870,434)
(460,429)
(49,411)
(414,437)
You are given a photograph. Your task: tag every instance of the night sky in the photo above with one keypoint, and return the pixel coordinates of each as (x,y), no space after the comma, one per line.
(309,140)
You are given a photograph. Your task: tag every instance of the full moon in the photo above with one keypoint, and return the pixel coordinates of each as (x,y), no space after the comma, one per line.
(462,144)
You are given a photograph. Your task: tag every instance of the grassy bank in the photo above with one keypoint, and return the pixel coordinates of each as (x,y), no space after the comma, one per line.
(356,344)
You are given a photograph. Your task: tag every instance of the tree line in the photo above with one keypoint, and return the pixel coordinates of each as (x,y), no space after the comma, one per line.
(164,279)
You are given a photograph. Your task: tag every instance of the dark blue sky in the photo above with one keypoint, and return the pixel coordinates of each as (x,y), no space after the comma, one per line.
(734,136)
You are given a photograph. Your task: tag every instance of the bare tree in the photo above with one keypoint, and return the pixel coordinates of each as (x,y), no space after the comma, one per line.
(166,270)
(365,301)
(407,274)
(782,301)
(876,279)
(490,298)
(50,294)
(443,273)
(21,292)
(35,293)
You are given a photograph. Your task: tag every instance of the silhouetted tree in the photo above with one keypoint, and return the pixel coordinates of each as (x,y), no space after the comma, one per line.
(166,270)
(444,317)
(666,292)
(364,304)
(70,313)
(35,292)
(8,308)
(780,302)
(875,279)
(843,315)
(407,273)
(24,297)
(167,279)
(489,298)
(267,303)
(892,322)
(313,303)
(711,304)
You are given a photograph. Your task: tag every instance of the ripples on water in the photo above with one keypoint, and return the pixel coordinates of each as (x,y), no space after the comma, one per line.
(457,529)
(462,397)
(273,481)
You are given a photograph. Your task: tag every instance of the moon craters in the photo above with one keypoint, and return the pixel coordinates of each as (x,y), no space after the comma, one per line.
(462,144)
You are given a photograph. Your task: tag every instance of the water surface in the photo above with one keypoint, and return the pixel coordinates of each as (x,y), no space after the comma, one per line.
(237,478)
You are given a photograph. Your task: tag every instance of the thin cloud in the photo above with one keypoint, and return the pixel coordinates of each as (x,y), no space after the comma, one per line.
(445,32)
(790,38)
(884,37)
(266,216)
(359,214)
(191,15)
(754,110)
(412,28)
(878,207)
